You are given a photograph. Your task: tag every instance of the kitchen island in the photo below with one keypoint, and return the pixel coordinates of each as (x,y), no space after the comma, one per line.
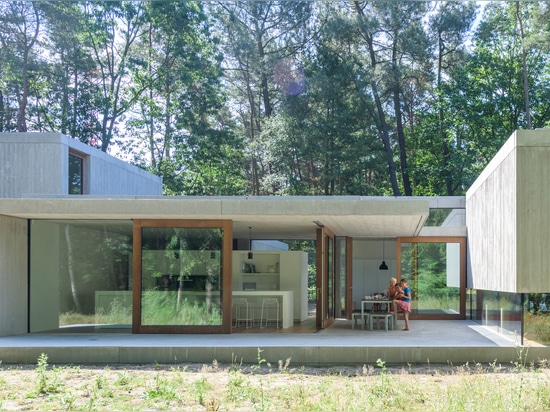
(254,298)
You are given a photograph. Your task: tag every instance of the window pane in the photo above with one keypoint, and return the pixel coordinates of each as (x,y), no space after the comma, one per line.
(80,275)
(340,277)
(330,277)
(181,276)
(75,175)
(431,270)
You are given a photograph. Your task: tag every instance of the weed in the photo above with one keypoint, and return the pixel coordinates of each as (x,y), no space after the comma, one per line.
(212,405)
(235,387)
(381,364)
(521,362)
(260,360)
(162,389)
(47,382)
(201,386)
(101,382)
(67,401)
(122,379)
(283,367)
(236,365)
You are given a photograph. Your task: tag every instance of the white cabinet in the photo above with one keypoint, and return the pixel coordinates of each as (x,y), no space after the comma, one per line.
(273,270)
(294,277)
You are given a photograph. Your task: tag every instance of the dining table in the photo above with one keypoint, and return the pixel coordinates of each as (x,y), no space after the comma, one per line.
(375,300)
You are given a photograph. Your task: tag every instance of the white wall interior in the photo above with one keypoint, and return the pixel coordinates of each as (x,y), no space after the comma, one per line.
(367,278)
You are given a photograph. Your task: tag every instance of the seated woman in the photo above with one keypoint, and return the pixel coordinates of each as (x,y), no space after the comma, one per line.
(390,293)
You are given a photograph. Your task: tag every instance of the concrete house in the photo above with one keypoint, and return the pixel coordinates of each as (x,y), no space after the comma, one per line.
(88,243)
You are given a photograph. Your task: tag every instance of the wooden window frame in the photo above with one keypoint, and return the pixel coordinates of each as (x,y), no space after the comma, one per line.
(439,239)
(226,272)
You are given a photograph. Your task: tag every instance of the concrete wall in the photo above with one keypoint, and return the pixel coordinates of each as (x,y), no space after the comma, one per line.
(508,217)
(45,269)
(30,164)
(111,176)
(13,276)
(36,164)
(533,218)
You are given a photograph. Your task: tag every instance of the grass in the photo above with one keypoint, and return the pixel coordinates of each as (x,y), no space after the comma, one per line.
(282,387)
(537,328)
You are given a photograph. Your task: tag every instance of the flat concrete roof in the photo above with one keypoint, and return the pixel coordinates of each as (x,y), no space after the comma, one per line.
(273,217)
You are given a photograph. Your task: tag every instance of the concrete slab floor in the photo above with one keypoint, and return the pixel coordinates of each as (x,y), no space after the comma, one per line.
(428,341)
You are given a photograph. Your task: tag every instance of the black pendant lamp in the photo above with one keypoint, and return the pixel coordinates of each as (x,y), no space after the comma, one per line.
(383,265)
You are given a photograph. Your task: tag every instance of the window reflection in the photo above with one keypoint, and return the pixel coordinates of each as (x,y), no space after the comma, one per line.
(433,272)
(80,275)
(76,171)
(181,276)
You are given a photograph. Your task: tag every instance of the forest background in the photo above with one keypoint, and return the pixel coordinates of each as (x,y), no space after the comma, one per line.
(373,98)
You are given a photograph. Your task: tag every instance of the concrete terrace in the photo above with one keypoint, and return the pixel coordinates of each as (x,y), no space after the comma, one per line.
(428,342)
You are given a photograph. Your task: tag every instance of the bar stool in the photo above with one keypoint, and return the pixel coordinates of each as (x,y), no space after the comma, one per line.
(269,305)
(240,305)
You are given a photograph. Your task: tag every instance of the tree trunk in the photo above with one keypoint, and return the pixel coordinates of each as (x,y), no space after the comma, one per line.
(70,260)
(441,119)
(524,62)
(21,112)
(381,115)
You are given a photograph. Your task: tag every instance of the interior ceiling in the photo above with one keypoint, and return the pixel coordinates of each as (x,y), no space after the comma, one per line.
(301,228)
(305,227)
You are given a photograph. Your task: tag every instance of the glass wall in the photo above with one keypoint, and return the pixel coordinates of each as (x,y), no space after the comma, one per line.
(503,312)
(500,310)
(181,276)
(340,277)
(536,322)
(330,278)
(80,275)
(435,272)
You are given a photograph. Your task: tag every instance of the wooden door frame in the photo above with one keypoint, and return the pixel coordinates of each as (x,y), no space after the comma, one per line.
(323,234)
(349,277)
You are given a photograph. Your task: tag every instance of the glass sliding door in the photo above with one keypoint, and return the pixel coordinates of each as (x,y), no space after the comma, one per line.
(183,272)
(340,278)
(325,278)
(436,271)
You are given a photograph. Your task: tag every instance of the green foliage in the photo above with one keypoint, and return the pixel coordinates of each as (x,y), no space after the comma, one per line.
(281,98)
(537,328)
(165,308)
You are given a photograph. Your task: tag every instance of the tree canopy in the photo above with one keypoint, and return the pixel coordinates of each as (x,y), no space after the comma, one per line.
(281,97)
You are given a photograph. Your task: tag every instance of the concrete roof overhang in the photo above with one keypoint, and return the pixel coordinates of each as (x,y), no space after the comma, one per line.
(270,217)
